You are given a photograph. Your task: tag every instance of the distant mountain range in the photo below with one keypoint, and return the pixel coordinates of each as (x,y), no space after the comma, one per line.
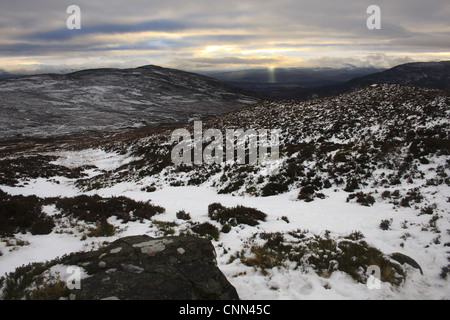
(280,82)
(306,83)
(108,99)
(434,75)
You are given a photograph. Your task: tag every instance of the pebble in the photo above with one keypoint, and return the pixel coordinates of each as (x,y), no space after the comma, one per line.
(116,250)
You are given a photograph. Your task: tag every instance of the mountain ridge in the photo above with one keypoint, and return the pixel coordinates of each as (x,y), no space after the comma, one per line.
(435,75)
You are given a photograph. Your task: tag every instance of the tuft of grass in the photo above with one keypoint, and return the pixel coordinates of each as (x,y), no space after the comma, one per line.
(50,291)
(21,283)
(103,229)
(167,227)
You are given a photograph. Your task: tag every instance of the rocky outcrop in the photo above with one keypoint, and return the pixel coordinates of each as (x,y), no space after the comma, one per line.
(144,268)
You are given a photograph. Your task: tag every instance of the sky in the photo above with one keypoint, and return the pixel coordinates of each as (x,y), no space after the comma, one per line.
(210,34)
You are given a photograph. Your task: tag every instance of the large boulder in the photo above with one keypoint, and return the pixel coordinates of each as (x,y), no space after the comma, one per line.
(141,267)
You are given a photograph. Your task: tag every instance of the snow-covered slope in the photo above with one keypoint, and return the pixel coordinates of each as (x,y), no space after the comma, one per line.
(108,99)
(361,177)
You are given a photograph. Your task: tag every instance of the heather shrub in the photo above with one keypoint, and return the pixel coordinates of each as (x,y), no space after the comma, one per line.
(23,214)
(235,215)
(206,229)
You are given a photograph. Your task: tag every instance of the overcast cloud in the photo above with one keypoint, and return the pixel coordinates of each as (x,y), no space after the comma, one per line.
(204,34)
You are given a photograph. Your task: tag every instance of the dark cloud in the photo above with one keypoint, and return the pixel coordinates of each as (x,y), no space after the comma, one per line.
(334,29)
(231,60)
(60,34)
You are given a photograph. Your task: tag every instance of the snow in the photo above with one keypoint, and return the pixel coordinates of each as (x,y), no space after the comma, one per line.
(332,213)
(92,157)
(44,188)
(407,234)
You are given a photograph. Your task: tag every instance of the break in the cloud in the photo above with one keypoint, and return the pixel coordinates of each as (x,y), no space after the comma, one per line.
(206,34)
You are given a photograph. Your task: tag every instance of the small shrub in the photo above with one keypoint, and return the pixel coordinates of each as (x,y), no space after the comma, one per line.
(309,189)
(428,209)
(320,195)
(43,225)
(305,197)
(50,291)
(19,284)
(284,218)
(226,228)
(355,235)
(149,189)
(232,187)
(167,227)
(351,185)
(362,198)
(385,224)
(183,215)
(307,193)
(235,215)
(445,271)
(386,194)
(103,229)
(95,208)
(274,188)
(214,209)
(207,229)
(404,202)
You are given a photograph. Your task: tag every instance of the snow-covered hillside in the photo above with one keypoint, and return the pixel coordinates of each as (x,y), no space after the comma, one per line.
(362,179)
(110,99)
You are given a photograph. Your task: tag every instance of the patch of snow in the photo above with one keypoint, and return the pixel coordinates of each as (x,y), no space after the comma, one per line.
(92,157)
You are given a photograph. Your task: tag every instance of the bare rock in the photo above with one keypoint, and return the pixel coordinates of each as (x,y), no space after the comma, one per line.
(153,269)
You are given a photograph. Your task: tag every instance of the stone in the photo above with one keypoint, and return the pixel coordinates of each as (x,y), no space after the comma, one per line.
(169,268)
(132,268)
(116,250)
(152,246)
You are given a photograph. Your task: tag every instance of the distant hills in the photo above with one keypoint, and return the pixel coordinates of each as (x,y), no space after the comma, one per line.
(109,99)
(435,75)
(306,83)
(281,82)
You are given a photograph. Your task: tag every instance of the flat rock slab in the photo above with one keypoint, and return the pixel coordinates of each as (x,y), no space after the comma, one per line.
(145,268)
